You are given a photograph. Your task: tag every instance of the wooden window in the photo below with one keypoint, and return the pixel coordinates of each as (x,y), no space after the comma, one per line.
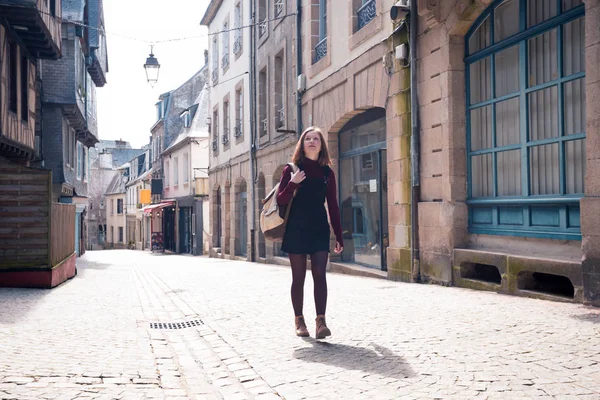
(24,89)
(186,168)
(526,139)
(175,171)
(225,44)
(279,75)
(319,31)
(13,83)
(226,122)
(263,103)
(239,113)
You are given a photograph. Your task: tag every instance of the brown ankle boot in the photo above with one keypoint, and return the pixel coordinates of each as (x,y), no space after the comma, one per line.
(301,329)
(322,329)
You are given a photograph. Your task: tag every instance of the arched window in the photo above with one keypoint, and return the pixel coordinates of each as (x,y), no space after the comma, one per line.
(525,73)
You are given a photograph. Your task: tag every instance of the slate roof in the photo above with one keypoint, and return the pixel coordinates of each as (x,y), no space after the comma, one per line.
(116,186)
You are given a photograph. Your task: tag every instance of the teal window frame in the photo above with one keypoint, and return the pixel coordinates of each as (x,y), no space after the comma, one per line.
(543,216)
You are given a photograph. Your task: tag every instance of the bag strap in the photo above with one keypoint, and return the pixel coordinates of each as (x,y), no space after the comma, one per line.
(289,205)
(294,167)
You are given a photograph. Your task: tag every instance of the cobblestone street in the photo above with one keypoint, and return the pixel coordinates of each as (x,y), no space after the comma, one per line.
(97,337)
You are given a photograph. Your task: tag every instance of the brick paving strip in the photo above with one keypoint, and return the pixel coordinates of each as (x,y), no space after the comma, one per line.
(194,362)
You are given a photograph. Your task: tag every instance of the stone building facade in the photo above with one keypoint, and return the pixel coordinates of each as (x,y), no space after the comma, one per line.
(230,127)
(276,106)
(353,94)
(497,190)
(509,128)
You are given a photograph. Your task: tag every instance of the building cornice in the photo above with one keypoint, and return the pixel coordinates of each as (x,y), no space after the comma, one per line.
(211,11)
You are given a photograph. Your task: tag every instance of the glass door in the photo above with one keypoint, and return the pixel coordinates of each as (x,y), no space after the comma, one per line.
(363,198)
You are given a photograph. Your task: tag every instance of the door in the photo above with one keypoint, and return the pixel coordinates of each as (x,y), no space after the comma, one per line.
(185,229)
(364,208)
(243,223)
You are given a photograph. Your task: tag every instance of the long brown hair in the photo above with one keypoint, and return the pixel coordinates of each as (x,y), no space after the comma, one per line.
(300,156)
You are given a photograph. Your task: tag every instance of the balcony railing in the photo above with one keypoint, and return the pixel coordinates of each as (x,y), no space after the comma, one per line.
(262,28)
(278,7)
(225,61)
(215,74)
(237,45)
(238,130)
(366,13)
(321,49)
(225,137)
(281,117)
(265,126)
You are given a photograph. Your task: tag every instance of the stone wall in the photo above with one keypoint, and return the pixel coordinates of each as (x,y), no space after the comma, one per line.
(590,205)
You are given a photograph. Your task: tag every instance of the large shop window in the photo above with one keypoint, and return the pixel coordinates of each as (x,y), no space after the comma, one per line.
(525,66)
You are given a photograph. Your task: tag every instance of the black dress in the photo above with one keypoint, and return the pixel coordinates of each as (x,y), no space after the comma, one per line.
(307,229)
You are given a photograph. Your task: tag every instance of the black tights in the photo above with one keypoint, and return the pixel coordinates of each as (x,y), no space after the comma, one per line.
(318,263)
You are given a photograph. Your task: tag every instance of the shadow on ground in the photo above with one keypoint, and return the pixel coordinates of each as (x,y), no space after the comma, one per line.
(91,265)
(374,360)
(591,317)
(85,266)
(17,302)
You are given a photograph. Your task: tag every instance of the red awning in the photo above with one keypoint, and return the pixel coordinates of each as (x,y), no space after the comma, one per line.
(153,207)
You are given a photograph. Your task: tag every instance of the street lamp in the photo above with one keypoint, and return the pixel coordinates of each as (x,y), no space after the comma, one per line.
(152,68)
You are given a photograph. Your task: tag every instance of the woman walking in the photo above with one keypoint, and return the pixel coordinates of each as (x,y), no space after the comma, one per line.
(307,229)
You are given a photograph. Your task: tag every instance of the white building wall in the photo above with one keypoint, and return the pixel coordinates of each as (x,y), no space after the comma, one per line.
(238,71)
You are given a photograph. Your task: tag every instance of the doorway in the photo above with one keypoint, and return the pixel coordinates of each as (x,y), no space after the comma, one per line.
(218,231)
(185,229)
(243,223)
(363,189)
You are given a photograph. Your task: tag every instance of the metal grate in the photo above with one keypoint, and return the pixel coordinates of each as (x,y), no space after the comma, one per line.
(176,325)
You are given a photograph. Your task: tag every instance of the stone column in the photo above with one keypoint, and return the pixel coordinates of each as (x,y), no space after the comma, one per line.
(398,127)
(234,209)
(590,204)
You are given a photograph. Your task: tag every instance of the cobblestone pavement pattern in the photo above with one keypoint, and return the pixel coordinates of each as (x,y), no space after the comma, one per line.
(92,337)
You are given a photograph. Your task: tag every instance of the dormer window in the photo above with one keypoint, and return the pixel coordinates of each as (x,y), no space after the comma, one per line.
(187,119)
(159,111)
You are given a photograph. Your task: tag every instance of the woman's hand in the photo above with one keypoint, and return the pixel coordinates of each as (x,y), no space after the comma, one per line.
(298,176)
(338,247)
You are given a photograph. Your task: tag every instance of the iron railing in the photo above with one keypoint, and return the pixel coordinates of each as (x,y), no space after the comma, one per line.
(238,129)
(281,117)
(366,13)
(237,45)
(321,49)
(278,7)
(225,137)
(225,60)
(262,28)
(265,126)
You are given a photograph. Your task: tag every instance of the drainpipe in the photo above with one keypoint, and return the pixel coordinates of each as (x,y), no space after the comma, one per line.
(299,64)
(414,146)
(253,130)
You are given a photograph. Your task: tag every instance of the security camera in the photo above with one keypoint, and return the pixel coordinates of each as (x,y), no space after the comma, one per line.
(400,10)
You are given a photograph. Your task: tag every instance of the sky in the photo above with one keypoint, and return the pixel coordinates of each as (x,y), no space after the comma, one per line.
(126,103)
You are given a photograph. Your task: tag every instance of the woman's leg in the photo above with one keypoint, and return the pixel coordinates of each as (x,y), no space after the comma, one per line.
(318,265)
(298,263)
